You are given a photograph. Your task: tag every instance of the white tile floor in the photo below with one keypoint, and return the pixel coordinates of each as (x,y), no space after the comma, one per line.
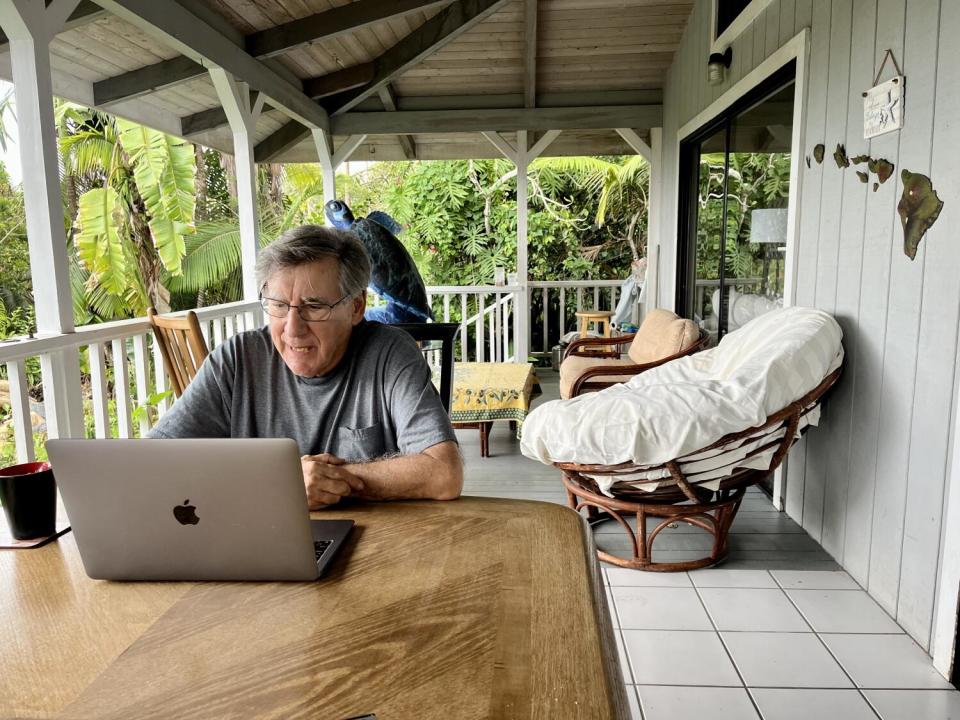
(758,645)
(744,641)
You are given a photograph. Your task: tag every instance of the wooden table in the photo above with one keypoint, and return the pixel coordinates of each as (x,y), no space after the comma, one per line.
(476,608)
(484,392)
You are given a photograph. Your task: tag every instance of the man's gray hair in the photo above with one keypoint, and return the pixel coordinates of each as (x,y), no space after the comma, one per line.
(310,243)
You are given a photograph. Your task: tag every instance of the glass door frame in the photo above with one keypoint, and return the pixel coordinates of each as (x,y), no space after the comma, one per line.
(689,175)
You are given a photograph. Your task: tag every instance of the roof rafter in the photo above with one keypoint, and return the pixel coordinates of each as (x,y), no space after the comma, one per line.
(407,143)
(189,34)
(442,28)
(530,54)
(264,44)
(497,119)
(86,12)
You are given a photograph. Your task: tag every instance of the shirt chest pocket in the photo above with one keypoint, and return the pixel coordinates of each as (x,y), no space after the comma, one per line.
(361,444)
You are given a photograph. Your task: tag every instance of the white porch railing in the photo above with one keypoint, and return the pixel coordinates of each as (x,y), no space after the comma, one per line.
(138,387)
(127,346)
(589,294)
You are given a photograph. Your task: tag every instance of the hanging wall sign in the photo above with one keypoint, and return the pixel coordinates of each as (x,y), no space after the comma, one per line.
(883,103)
(883,108)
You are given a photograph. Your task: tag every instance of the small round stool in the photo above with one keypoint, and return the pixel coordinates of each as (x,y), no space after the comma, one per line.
(600,318)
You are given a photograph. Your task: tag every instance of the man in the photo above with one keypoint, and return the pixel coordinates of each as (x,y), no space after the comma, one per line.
(356,396)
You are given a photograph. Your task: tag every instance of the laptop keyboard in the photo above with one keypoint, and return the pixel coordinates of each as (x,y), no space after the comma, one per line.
(320,547)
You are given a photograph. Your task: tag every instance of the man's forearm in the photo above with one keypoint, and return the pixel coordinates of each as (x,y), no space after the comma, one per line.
(436,473)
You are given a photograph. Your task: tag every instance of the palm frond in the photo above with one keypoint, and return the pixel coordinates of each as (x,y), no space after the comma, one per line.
(163,168)
(212,254)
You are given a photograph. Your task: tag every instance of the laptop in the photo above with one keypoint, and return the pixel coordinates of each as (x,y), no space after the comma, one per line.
(203,509)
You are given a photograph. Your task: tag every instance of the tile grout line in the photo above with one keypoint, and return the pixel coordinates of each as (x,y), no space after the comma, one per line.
(829,651)
(623,645)
(723,644)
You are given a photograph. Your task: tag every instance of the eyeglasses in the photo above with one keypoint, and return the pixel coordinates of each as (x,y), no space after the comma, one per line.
(308,312)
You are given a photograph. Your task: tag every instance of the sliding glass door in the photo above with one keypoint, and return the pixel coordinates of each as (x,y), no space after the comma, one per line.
(735,185)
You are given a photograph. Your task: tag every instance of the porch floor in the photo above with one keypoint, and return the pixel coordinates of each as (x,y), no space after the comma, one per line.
(778,632)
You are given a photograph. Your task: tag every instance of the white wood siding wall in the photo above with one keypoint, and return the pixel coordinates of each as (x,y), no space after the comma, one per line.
(870,483)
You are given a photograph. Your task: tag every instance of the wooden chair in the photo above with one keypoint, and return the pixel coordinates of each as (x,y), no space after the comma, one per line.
(182,346)
(446,334)
(589,363)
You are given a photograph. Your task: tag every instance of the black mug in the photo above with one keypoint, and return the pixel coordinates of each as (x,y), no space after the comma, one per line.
(29,496)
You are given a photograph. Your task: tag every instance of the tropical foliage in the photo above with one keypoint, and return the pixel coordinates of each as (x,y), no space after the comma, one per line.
(131,194)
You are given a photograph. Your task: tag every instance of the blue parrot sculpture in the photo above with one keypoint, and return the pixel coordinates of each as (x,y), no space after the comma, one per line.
(394,275)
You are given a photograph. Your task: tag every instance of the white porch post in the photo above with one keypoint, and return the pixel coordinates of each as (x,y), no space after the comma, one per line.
(654,230)
(242,114)
(330,160)
(653,153)
(522,156)
(31,26)
(521,349)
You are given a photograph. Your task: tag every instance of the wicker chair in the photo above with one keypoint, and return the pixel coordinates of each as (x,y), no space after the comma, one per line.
(674,494)
(593,363)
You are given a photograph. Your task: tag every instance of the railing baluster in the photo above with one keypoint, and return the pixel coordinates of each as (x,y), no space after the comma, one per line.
(563,312)
(464,340)
(579,299)
(141,369)
(498,354)
(160,372)
(613,298)
(446,307)
(505,311)
(98,391)
(217,332)
(546,320)
(121,388)
(491,322)
(20,404)
(481,306)
(231,329)
(596,297)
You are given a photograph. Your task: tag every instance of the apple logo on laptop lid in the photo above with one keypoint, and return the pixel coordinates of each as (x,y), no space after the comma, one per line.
(186,514)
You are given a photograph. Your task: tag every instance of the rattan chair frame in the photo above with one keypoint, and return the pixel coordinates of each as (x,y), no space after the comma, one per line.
(592,378)
(680,500)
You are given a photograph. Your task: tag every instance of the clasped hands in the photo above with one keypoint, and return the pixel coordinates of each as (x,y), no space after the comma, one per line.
(327,480)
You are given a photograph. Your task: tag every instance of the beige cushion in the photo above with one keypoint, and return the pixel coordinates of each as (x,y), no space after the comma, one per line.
(575,365)
(661,335)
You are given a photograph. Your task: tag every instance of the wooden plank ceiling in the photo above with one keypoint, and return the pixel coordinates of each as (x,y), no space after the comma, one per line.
(376,56)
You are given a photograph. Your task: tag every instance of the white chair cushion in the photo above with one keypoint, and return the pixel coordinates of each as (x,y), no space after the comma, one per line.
(683,406)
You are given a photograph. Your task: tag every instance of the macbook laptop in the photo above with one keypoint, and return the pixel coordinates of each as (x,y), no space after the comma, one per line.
(204,509)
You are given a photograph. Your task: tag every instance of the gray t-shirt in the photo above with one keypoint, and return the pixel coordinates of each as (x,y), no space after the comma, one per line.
(378,401)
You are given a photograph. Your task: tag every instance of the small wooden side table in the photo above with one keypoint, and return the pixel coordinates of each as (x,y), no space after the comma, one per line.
(600,318)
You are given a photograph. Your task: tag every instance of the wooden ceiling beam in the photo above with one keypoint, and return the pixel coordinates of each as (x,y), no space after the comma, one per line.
(86,12)
(331,23)
(442,28)
(530,54)
(264,44)
(187,32)
(497,119)
(407,143)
